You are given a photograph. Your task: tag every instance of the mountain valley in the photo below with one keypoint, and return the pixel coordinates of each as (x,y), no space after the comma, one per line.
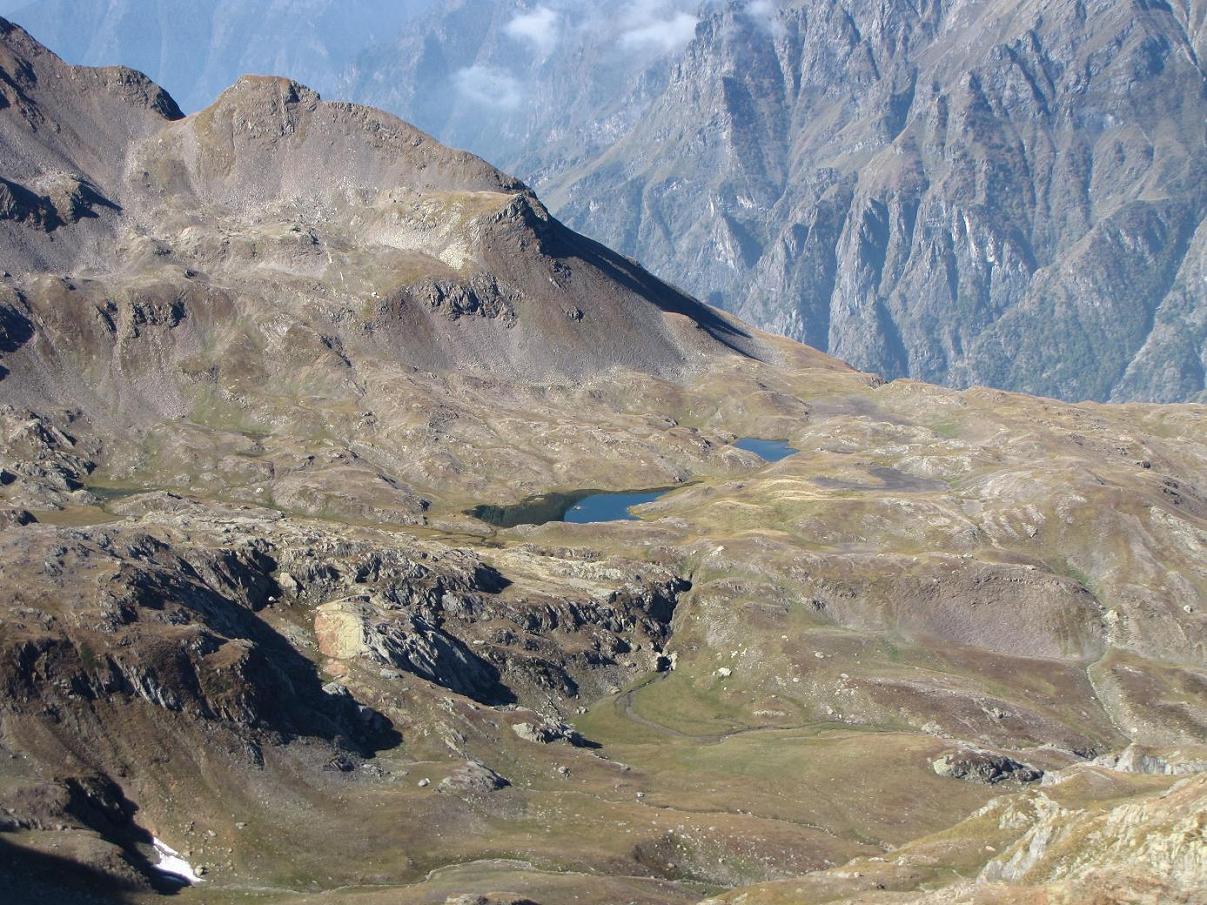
(258,365)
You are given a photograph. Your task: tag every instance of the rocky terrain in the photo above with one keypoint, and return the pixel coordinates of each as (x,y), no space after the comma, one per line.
(258,364)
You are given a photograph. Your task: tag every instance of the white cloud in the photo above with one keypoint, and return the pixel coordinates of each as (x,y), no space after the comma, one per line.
(539,28)
(489,86)
(656,25)
(765,13)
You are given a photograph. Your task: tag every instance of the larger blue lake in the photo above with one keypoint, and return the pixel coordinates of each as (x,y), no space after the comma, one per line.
(609,507)
(582,507)
(593,506)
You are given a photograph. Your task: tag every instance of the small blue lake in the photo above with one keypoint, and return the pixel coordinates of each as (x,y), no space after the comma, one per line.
(770,450)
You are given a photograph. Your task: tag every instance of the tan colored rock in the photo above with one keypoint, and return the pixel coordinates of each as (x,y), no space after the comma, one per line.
(339,629)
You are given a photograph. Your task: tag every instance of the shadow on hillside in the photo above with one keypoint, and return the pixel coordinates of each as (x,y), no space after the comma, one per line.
(32,876)
(15,331)
(564,242)
(271,685)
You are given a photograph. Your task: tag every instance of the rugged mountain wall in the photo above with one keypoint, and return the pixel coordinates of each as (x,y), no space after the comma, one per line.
(535,88)
(964,192)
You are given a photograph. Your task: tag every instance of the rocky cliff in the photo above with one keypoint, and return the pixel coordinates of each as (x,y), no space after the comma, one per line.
(963,192)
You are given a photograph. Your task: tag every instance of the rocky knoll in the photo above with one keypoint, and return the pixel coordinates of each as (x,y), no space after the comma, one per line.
(260,363)
(1056,845)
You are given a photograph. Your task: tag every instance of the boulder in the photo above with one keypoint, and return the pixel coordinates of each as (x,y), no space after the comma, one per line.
(473,778)
(16,518)
(547,732)
(339,629)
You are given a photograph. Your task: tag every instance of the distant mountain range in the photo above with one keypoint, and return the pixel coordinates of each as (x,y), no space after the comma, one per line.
(962,192)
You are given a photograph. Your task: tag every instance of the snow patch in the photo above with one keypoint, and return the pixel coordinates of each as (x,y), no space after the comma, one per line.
(172,864)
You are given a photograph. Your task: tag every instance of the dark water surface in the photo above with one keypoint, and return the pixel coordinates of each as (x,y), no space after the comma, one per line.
(771,450)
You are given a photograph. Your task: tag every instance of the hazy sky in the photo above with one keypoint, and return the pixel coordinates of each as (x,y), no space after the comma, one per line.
(467,93)
(195,47)
(659,25)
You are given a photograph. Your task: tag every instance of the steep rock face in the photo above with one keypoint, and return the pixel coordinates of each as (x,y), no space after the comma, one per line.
(122,617)
(961,192)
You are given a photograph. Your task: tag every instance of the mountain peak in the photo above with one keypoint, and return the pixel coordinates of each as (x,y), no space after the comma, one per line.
(318,148)
(279,197)
(25,62)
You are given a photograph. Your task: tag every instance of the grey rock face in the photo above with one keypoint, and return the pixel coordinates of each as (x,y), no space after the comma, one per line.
(1139,759)
(984,767)
(965,192)
(547,732)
